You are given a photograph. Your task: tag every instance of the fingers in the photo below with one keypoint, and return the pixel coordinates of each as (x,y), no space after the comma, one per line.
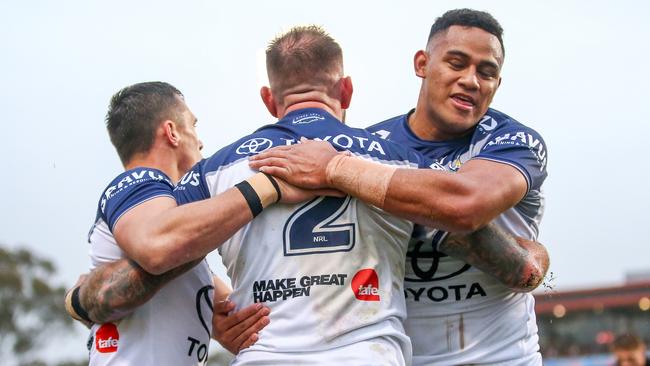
(250,329)
(233,319)
(278,151)
(239,329)
(249,342)
(250,325)
(278,172)
(223,307)
(269,161)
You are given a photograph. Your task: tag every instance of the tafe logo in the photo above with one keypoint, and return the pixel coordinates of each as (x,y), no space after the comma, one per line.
(107,338)
(254,146)
(365,285)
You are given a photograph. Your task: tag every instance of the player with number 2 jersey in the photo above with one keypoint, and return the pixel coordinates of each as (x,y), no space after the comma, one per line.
(330,269)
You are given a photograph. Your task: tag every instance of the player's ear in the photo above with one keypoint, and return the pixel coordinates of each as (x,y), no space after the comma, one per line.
(420,61)
(269,102)
(170,133)
(346,92)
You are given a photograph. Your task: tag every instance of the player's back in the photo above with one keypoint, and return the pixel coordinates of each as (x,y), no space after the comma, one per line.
(330,269)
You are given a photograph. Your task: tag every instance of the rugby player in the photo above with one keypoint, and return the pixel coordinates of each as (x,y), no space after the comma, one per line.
(468,303)
(330,269)
(154,134)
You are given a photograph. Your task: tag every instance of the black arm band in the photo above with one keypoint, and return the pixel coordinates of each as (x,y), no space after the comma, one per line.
(277,188)
(76,305)
(253,200)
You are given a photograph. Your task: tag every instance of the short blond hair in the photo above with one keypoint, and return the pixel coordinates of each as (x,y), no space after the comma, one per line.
(305,55)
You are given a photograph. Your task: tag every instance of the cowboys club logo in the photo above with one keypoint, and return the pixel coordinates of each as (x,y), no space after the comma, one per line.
(204,307)
(254,146)
(424,252)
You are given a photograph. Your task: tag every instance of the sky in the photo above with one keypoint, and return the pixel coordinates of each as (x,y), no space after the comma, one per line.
(576,71)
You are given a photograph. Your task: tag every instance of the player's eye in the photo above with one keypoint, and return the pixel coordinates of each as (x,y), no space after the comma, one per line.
(488,72)
(456,64)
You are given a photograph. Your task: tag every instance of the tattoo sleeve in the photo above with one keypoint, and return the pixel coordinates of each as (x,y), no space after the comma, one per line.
(518,263)
(114,290)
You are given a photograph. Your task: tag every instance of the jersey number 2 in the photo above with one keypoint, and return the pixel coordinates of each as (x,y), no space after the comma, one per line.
(315,228)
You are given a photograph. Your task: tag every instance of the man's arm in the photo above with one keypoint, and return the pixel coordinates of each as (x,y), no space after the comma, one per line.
(160,236)
(461,201)
(517,263)
(113,290)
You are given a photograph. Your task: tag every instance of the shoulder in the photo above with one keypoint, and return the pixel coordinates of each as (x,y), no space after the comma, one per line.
(389,124)
(129,180)
(264,138)
(364,142)
(495,121)
(498,129)
(500,137)
(131,188)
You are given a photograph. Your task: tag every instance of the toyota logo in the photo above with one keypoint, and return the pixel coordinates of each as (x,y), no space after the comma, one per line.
(254,146)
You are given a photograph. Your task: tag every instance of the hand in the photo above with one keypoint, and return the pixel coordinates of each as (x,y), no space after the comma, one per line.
(238,330)
(303,165)
(292,194)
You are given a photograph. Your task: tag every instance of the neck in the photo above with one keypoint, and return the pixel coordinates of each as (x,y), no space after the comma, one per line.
(157,159)
(314,98)
(311,104)
(424,128)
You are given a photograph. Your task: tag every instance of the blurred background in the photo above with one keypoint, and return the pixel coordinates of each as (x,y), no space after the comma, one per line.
(575,71)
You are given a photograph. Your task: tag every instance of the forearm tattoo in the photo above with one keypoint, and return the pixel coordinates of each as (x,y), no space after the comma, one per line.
(517,263)
(114,290)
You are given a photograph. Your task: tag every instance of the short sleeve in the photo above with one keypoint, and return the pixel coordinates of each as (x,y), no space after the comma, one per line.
(521,147)
(130,189)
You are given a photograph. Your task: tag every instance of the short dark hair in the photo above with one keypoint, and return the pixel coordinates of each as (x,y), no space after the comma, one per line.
(136,111)
(304,54)
(468,18)
(627,342)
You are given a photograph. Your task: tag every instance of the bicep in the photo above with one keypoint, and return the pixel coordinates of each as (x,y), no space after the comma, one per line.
(132,228)
(498,184)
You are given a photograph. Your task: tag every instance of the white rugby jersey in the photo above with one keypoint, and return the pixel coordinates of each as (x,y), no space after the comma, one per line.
(331,269)
(171,329)
(458,315)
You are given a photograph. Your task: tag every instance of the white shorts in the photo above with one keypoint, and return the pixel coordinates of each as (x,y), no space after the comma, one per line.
(375,352)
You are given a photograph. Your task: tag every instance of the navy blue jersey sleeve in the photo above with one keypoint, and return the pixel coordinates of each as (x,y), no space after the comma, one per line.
(130,189)
(192,187)
(521,147)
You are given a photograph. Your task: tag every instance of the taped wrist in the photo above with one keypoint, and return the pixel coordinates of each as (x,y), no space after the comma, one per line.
(366,180)
(74,308)
(259,191)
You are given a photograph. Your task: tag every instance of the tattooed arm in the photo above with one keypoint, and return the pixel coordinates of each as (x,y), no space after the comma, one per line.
(113,290)
(518,263)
